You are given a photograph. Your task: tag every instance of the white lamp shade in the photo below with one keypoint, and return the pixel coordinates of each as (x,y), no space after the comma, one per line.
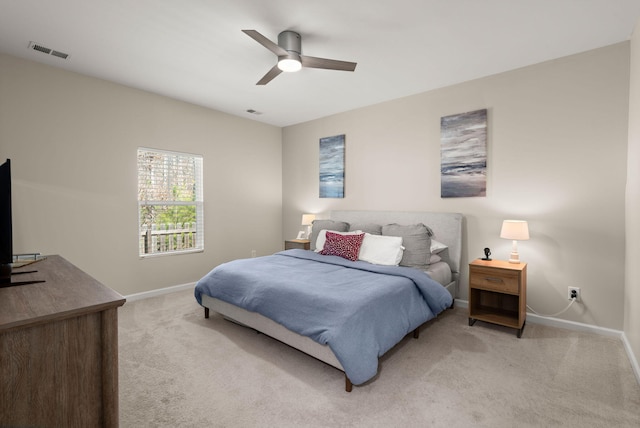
(307,219)
(517,230)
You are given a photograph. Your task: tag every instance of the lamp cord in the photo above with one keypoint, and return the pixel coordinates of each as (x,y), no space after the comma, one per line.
(556,314)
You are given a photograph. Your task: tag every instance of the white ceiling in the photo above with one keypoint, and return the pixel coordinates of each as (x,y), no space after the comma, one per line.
(194,50)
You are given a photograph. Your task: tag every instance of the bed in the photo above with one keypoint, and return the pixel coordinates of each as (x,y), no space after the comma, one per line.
(346,313)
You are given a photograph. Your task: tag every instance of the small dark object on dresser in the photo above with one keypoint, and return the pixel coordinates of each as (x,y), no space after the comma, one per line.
(487,253)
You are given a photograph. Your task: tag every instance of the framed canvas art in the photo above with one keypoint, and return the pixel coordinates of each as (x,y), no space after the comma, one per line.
(463,154)
(332,166)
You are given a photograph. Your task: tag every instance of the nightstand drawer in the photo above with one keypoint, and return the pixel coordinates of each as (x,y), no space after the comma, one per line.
(494,279)
(302,244)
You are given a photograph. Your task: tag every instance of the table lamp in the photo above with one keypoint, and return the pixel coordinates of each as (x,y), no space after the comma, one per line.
(516,230)
(307,220)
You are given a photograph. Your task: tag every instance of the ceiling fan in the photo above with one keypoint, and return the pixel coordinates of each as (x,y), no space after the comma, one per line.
(290,58)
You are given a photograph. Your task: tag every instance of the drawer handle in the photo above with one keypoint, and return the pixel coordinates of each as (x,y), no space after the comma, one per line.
(487,278)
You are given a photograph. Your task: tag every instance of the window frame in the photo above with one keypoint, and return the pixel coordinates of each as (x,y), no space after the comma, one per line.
(198,243)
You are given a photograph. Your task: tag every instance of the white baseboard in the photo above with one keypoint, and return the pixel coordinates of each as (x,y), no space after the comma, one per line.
(632,357)
(159,292)
(572,325)
(557,322)
(577,326)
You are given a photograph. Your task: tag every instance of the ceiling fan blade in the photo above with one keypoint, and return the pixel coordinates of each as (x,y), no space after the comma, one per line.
(271,74)
(265,42)
(329,64)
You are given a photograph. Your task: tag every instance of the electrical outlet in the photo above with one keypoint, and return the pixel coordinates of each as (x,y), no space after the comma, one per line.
(574,291)
(253,253)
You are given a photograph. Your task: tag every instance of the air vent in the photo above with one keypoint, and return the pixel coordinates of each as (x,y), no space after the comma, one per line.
(48,51)
(60,54)
(37,47)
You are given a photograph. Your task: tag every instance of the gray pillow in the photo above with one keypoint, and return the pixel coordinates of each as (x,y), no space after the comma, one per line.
(416,240)
(372,228)
(318,225)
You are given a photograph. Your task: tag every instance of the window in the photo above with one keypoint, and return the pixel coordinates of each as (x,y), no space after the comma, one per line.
(170,203)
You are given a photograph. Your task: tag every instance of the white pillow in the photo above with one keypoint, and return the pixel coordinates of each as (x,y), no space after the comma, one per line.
(436,246)
(322,237)
(381,250)
(434,258)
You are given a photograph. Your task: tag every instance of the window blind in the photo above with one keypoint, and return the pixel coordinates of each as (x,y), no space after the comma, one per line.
(170,202)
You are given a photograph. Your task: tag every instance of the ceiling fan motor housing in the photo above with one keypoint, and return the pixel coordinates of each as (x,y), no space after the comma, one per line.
(290,41)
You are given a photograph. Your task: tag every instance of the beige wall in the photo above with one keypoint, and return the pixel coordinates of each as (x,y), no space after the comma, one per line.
(72,140)
(632,288)
(556,157)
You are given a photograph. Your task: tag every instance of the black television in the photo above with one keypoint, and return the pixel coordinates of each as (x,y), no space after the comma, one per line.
(6,231)
(6,228)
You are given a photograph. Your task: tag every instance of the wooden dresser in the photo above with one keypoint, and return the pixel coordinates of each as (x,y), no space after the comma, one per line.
(59,349)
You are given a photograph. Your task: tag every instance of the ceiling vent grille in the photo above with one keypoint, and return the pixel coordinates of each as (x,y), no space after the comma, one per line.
(48,51)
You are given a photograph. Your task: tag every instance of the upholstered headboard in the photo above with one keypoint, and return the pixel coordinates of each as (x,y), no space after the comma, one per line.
(447,228)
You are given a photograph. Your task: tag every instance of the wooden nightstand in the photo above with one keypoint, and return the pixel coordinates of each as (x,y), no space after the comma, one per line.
(498,293)
(303,244)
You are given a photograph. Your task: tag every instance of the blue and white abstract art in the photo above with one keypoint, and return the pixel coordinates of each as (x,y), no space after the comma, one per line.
(463,153)
(332,167)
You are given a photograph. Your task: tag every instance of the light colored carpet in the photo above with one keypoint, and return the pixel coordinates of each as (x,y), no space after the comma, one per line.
(178,369)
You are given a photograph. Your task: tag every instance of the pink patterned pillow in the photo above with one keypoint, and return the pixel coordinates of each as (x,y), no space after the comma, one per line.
(346,246)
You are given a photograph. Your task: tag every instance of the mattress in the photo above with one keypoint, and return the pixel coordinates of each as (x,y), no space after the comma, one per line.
(440,272)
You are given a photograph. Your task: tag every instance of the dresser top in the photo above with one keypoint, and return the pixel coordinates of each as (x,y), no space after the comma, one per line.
(67,292)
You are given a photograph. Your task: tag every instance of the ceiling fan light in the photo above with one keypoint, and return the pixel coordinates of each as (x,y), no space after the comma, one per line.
(289,63)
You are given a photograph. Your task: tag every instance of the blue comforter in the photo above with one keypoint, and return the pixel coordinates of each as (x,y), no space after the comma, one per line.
(360,310)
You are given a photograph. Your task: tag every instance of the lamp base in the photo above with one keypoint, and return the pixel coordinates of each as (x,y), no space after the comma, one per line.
(514,258)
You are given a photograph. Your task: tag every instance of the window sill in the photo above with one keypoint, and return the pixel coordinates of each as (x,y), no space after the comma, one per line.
(170,253)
